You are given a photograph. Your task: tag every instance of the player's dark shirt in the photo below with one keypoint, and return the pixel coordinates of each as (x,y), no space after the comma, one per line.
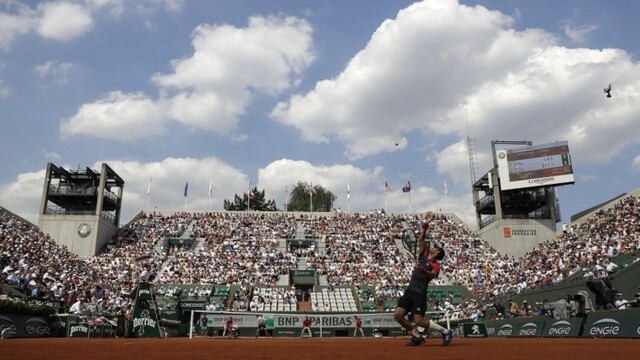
(419,281)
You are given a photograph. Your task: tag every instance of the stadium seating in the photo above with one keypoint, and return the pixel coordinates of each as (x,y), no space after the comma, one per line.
(356,254)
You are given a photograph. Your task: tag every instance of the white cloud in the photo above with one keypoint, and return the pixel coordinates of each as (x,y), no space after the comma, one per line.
(425,72)
(578,33)
(207,111)
(4,91)
(66,20)
(119,116)
(366,185)
(635,164)
(230,65)
(173,5)
(52,155)
(63,20)
(22,196)
(214,86)
(18,21)
(115,8)
(168,177)
(412,71)
(54,72)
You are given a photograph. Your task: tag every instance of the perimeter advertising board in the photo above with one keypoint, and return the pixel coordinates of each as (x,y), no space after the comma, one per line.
(520,327)
(615,323)
(324,325)
(27,326)
(561,328)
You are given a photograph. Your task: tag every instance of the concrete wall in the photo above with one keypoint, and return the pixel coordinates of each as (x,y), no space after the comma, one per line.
(516,237)
(84,235)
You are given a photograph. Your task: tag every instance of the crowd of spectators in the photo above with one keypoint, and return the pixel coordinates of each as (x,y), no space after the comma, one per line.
(248,250)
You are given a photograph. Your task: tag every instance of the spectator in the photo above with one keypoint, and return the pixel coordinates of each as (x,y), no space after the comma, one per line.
(621,303)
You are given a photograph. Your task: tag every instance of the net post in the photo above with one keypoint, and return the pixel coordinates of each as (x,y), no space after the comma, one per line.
(191,326)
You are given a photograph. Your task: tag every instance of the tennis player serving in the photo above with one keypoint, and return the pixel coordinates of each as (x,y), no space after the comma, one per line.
(414,299)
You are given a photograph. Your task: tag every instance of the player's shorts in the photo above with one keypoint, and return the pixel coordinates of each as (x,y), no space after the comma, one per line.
(262,327)
(414,302)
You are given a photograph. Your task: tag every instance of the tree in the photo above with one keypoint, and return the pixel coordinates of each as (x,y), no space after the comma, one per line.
(300,198)
(257,202)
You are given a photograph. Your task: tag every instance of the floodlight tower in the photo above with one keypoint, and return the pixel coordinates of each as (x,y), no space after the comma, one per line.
(80,209)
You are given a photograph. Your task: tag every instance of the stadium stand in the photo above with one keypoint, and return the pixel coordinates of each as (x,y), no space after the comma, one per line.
(236,261)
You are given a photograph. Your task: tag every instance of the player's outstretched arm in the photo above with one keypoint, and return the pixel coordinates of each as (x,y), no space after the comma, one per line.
(428,217)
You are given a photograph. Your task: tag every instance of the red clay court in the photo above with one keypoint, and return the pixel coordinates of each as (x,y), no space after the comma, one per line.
(316,348)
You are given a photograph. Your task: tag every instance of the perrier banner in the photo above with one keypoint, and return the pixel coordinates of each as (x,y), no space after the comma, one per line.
(145,322)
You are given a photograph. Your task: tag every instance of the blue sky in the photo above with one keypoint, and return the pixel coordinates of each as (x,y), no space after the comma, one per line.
(276,92)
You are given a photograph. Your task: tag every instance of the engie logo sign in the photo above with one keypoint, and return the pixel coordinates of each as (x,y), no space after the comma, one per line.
(9,325)
(528,329)
(505,330)
(559,328)
(604,327)
(37,327)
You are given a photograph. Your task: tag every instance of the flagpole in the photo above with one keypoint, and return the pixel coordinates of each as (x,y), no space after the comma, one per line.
(446,194)
(186,194)
(210,193)
(386,201)
(348,198)
(387,189)
(249,197)
(149,193)
(310,196)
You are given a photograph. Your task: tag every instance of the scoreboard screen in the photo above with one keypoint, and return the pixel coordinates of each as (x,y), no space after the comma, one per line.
(533,166)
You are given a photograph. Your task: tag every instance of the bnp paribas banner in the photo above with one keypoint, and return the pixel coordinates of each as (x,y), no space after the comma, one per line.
(145,319)
(615,323)
(379,320)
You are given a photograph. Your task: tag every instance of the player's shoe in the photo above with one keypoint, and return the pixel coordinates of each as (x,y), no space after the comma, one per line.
(446,338)
(415,341)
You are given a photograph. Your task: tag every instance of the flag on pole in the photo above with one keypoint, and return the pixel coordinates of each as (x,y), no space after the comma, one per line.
(387,188)
(348,191)
(249,192)
(210,187)
(186,189)
(149,187)
(407,187)
(311,189)
(446,188)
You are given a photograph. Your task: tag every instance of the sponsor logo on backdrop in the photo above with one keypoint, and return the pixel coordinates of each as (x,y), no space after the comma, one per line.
(528,329)
(541,181)
(37,326)
(505,330)
(79,328)
(143,321)
(606,326)
(9,325)
(561,327)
